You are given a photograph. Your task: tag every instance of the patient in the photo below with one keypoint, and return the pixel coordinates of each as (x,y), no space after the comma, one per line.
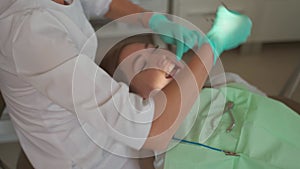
(146,80)
(265,135)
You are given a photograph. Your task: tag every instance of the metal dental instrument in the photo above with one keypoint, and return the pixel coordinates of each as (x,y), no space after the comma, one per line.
(230,153)
(228,108)
(224,5)
(210,19)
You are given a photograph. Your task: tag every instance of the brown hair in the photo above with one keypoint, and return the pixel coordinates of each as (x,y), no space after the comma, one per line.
(111,59)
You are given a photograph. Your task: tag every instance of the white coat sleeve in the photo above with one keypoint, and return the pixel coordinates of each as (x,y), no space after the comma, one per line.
(46,58)
(95,9)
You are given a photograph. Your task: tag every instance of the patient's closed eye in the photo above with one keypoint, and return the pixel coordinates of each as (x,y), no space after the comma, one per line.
(140,61)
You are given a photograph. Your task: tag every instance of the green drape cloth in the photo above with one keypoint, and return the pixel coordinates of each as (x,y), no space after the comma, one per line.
(266,134)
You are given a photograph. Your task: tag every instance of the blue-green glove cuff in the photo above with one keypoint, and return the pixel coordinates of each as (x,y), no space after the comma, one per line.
(215,49)
(156,19)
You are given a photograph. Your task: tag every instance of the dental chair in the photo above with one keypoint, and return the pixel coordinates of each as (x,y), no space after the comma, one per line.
(6,130)
(289,90)
(292,84)
(8,135)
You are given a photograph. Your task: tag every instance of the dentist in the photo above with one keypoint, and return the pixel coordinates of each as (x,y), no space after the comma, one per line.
(67,116)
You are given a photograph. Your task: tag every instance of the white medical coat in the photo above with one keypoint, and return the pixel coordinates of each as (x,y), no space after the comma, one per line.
(67,112)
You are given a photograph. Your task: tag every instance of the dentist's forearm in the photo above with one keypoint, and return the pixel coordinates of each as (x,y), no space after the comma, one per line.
(180,96)
(120,8)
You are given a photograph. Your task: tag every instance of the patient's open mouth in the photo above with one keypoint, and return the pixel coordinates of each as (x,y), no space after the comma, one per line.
(172,73)
(168,76)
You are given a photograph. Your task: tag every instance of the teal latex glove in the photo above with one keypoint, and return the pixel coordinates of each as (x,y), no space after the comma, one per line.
(175,34)
(230,29)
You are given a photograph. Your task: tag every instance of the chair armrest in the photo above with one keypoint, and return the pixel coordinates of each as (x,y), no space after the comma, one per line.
(7,132)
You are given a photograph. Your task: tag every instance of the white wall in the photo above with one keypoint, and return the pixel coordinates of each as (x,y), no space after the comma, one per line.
(273,20)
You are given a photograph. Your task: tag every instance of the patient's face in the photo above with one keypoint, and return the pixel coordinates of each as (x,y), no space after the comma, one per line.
(149,79)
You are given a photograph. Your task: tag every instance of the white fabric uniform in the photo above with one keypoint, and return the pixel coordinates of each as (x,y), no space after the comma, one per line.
(41,43)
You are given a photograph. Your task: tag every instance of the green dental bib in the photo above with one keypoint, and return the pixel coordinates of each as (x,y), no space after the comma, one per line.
(266,134)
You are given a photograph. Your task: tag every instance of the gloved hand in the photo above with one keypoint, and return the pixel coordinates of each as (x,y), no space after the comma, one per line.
(230,29)
(173,33)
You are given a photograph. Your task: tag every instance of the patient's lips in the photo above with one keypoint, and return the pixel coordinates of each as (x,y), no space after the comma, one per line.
(171,67)
(172,72)
(167,66)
